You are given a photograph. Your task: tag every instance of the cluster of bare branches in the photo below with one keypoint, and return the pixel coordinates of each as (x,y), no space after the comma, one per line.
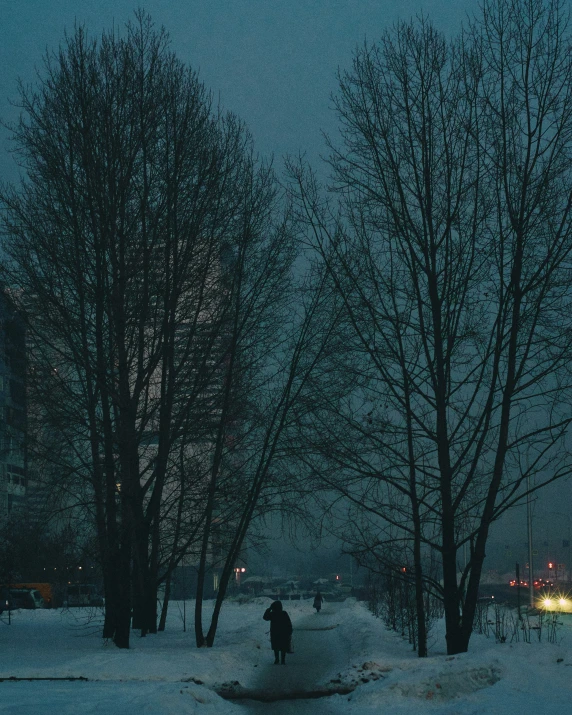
(151,255)
(447,235)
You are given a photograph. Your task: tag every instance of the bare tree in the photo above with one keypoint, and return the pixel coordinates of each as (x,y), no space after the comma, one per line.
(115,241)
(281,365)
(451,253)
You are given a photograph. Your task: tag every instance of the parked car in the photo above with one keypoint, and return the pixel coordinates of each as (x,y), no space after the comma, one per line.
(44,589)
(23,598)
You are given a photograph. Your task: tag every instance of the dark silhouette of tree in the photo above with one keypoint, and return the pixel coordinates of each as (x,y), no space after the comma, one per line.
(135,194)
(448,238)
(254,473)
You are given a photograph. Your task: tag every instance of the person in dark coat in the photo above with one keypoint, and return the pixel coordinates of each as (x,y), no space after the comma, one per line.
(318,601)
(280,631)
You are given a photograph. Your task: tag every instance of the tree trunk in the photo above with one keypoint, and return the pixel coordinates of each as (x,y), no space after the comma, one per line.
(199,633)
(165,606)
(419,602)
(451,603)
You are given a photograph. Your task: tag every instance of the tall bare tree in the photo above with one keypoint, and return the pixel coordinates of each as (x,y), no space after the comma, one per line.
(451,252)
(135,191)
(258,456)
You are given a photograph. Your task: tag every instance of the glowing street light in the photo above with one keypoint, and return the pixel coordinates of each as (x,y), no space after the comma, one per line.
(238,571)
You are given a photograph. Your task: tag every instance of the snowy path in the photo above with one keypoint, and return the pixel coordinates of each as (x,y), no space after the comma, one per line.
(319,649)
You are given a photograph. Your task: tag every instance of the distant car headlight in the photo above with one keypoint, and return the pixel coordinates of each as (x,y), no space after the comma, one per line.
(560,602)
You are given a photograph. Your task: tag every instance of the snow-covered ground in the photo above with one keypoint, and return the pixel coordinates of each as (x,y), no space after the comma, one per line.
(341,646)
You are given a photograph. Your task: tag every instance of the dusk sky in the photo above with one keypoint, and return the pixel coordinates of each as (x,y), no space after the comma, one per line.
(272,62)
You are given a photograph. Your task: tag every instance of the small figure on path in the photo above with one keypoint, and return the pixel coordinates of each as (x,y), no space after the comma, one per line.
(318,601)
(280,631)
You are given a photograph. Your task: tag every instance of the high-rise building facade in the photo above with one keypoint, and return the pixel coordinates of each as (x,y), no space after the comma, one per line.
(13,468)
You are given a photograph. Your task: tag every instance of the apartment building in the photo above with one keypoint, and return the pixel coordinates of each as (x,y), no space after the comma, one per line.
(13,468)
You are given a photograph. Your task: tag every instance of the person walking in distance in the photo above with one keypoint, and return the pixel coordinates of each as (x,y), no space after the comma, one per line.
(318,601)
(280,631)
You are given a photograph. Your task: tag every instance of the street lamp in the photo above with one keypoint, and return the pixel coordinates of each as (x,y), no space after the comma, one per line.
(529,528)
(569,565)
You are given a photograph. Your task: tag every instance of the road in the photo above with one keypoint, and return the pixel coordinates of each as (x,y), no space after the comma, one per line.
(503,593)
